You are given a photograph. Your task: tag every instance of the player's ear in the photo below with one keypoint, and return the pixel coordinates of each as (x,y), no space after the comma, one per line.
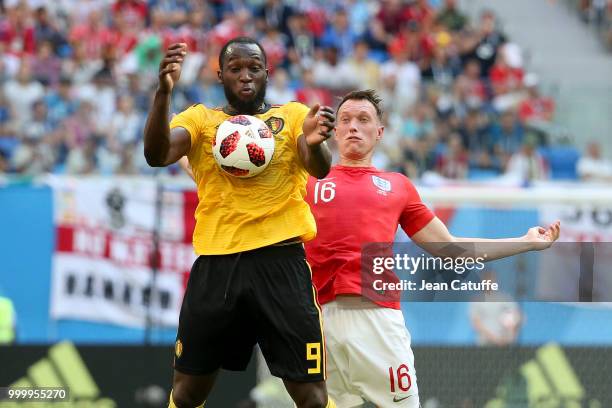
(380,132)
(267,75)
(219,76)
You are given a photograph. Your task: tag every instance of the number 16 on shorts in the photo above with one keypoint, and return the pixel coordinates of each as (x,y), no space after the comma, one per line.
(402,376)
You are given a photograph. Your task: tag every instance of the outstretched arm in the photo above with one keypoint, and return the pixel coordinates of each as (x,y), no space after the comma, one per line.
(162,145)
(437,240)
(313,150)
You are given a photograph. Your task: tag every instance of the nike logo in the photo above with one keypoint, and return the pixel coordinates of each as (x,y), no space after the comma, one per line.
(398,399)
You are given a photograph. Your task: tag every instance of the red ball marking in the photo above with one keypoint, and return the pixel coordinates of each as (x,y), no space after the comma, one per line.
(240,120)
(235,170)
(229,144)
(257,155)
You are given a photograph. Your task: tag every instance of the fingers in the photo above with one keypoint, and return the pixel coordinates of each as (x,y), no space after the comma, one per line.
(327,119)
(175,54)
(169,69)
(313,111)
(170,60)
(325,134)
(175,46)
(329,125)
(555,230)
(328,115)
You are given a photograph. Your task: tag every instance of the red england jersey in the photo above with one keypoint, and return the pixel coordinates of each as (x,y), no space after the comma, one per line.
(353,206)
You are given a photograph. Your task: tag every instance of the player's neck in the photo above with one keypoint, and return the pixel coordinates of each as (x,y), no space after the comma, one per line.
(363,162)
(230,110)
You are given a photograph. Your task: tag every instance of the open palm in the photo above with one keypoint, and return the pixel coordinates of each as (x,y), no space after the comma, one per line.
(543,238)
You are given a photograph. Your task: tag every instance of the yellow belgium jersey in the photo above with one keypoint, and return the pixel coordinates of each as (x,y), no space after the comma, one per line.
(234,214)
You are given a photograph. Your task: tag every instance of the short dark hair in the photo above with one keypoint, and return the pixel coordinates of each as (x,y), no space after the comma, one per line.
(368,95)
(241,40)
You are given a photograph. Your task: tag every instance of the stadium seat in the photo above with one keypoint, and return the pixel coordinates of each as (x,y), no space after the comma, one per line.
(562,161)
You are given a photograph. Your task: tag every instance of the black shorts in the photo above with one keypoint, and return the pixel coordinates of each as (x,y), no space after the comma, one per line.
(261,296)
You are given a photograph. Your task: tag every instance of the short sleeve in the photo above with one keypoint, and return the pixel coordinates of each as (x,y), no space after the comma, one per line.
(298,114)
(189,120)
(415,215)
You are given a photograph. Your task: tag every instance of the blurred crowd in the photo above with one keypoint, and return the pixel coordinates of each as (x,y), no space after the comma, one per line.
(76,78)
(597,13)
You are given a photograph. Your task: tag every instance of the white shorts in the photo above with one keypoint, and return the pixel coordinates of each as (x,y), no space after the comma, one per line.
(368,355)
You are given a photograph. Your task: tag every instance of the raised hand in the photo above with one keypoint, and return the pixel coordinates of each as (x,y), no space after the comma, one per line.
(318,124)
(170,66)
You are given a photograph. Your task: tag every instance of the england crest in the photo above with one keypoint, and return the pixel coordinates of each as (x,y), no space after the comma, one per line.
(381,183)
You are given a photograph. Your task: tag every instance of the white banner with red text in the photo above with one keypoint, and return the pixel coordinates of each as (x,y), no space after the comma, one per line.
(105,253)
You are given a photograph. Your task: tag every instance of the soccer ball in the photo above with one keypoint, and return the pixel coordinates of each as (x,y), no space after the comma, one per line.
(243,146)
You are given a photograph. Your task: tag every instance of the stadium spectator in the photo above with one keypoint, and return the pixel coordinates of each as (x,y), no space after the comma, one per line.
(82,159)
(79,67)
(132,12)
(9,63)
(453,163)
(279,92)
(46,66)
(443,69)
(339,35)
(470,82)
(206,89)
(527,164)
(421,12)
(416,42)
(17,32)
(274,14)
(301,44)
(331,72)
(22,92)
(536,107)
(311,94)
(46,30)
(592,166)
(484,44)
(505,78)
(405,77)
(92,35)
(419,121)
(418,158)
(392,15)
(101,94)
(451,17)
(275,45)
(365,71)
(125,125)
(506,136)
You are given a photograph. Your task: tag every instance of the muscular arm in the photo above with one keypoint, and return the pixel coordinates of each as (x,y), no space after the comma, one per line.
(163,146)
(435,239)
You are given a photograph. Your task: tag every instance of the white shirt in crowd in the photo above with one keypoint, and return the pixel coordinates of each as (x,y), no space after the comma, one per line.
(592,168)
